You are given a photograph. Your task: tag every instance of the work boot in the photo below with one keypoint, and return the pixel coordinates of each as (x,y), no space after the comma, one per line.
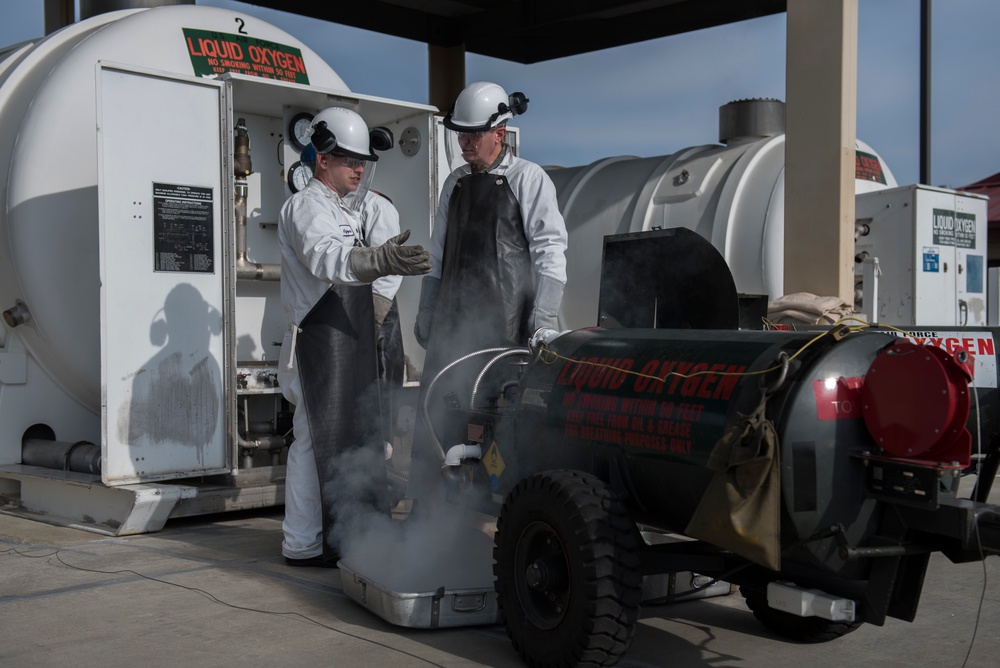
(313,562)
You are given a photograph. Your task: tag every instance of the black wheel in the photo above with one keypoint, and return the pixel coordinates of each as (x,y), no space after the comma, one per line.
(566,561)
(792,627)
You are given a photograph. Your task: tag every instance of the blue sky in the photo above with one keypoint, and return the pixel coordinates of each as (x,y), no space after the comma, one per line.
(660,96)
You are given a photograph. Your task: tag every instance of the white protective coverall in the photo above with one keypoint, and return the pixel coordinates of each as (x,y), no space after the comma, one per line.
(544,226)
(316,233)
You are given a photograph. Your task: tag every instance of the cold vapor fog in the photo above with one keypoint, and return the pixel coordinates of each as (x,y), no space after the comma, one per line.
(441,545)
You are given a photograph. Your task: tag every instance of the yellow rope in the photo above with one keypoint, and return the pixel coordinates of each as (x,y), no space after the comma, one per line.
(547,356)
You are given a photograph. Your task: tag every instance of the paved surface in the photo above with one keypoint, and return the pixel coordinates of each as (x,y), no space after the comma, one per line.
(213,591)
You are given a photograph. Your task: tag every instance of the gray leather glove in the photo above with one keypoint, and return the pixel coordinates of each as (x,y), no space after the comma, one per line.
(548,298)
(428,300)
(382,305)
(390,259)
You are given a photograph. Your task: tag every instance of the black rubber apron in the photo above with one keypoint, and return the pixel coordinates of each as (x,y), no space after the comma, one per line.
(390,347)
(485,299)
(335,356)
(391,363)
(486,290)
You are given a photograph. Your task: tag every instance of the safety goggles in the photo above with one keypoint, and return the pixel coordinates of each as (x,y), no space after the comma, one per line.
(473,137)
(350,163)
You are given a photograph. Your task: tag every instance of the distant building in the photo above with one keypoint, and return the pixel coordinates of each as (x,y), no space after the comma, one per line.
(990,186)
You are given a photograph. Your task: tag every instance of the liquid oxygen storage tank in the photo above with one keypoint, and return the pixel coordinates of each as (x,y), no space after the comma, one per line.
(139,271)
(731,194)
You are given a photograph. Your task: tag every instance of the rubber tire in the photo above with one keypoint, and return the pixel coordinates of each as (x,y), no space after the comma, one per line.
(793,627)
(574,519)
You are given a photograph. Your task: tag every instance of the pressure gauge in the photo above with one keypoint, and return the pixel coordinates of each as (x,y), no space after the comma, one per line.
(297,128)
(298,176)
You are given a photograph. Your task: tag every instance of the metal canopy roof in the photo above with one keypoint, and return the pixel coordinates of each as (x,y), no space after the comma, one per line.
(529,31)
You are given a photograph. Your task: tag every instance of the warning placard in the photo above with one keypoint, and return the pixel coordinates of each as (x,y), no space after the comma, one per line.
(978,344)
(867,167)
(183,235)
(657,405)
(954,228)
(214,53)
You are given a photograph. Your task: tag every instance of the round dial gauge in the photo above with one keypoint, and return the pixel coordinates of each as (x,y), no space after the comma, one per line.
(297,128)
(298,176)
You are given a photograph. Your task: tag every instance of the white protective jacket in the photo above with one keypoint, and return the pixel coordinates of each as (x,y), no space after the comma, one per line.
(544,226)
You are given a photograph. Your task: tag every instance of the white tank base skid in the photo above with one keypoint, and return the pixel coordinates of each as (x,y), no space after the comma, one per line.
(47,495)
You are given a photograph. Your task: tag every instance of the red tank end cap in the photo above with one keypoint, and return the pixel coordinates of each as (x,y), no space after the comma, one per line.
(915,402)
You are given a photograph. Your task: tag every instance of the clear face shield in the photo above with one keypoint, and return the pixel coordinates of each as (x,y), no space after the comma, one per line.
(355,200)
(381,139)
(461,147)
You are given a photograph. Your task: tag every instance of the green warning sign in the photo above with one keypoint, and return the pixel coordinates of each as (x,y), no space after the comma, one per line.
(954,228)
(214,53)
(868,167)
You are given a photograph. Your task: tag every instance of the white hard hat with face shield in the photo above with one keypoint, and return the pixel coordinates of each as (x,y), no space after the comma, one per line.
(342,132)
(483,106)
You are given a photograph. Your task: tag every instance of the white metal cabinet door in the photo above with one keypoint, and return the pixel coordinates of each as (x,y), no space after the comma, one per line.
(160,183)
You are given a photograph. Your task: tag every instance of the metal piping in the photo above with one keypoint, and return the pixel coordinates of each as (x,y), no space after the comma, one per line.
(79,457)
(457,453)
(489,365)
(273,443)
(423,405)
(246,270)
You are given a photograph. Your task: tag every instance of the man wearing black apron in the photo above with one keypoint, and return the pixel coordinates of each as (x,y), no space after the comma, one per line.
(498,249)
(335,473)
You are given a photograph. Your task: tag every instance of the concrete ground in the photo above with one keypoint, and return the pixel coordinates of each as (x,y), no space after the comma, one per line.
(214,591)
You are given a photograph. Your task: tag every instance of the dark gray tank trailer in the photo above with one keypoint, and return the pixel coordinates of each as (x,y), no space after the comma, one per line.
(817,470)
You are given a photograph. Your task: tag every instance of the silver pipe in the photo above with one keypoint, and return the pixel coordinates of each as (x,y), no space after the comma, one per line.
(246,270)
(482,374)
(273,443)
(264,442)
(423,406)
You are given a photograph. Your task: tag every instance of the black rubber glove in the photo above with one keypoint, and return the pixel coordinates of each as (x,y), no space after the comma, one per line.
(425,314)
(390,259)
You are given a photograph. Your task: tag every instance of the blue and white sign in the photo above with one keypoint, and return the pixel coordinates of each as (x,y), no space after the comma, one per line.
(932,259)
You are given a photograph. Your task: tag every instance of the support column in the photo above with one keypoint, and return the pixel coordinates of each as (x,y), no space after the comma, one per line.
(821,122)
(58,14)
(447,74)
(90,8)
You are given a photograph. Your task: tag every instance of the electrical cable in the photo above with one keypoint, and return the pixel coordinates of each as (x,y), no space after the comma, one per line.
(982,597)
(215,599)
(664,600)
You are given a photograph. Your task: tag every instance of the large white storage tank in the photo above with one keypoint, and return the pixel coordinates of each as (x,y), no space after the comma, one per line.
(48,168)
(123,256)
(732,194)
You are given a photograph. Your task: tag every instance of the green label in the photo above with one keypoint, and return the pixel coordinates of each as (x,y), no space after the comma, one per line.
(867,167)
(214,53)
(954,228)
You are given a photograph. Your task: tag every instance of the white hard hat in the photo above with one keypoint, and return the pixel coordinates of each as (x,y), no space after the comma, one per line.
(344,131)
(483,106)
